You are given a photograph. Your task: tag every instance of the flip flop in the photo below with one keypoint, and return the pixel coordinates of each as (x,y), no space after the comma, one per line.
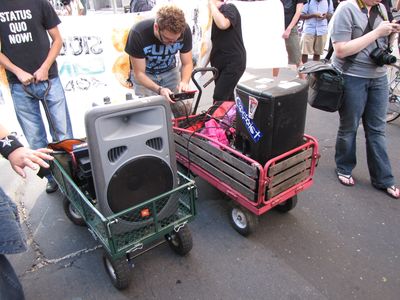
(346,180)
(393,192)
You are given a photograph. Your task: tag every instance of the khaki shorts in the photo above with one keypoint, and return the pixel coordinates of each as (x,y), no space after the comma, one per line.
(313,44)
(293,47)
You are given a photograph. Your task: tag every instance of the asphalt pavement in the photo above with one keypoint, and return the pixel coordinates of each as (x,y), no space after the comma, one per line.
(338,243)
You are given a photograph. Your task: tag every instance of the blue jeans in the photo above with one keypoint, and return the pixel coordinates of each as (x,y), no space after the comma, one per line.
(366,99)
(10,286)
(12,240)
(169,80)
(29,116)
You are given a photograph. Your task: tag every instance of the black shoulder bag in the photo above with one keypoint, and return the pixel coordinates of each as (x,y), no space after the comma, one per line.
(326,84)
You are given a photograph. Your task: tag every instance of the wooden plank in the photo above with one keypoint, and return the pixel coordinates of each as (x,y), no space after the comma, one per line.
(287,184)
(290,172)
(285,164)
(223,155)
(217,173)
(224,167)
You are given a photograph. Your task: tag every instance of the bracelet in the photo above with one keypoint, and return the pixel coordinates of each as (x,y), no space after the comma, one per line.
(159,90)
(9,144)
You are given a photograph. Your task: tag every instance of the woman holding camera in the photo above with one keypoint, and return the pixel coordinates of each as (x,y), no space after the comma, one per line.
(360,37)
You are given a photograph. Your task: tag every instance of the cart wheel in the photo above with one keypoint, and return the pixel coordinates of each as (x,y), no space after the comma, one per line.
(72,213)
(118,270)
(289,204)
(242,220)
(181,242)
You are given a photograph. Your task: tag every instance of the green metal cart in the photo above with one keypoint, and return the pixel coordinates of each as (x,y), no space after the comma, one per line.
(121,247)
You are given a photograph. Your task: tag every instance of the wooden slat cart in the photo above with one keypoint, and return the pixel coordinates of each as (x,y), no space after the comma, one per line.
(253,188)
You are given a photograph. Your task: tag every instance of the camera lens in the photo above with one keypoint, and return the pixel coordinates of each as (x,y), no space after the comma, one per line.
(382,57)
(390,59)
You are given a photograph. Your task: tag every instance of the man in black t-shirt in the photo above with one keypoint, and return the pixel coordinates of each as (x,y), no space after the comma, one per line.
(152,46)
(30,62)
(228,53)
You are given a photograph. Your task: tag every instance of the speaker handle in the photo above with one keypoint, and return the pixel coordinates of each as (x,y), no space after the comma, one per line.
(203,70)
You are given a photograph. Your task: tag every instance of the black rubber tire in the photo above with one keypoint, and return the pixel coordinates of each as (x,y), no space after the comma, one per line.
(181,242)
(72,213)
(118,270)
(242,220)
(393,111)
(288,205)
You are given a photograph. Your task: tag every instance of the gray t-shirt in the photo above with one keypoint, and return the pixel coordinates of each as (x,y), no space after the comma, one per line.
(350,23)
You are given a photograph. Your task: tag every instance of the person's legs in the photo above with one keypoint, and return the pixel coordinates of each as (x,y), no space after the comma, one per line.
(355,98)
(29,116)
(293,49)
(10,286)
(59,110)
(12,241)
(307,46)
(374,126)
(226,82)
(319,45)
(275,72)
(316,57)
(27,110)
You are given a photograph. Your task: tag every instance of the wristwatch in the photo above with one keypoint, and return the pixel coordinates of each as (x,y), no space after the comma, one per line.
(159,90)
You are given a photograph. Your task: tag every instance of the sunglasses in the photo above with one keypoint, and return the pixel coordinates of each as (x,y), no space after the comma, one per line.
(167,40)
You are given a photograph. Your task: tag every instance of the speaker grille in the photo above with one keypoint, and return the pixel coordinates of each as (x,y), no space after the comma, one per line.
(156,143)
(115,153)
(138,180)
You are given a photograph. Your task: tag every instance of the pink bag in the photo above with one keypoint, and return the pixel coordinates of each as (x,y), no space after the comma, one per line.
(214,131)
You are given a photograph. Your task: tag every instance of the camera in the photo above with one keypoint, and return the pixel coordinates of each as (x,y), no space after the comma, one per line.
(382,57)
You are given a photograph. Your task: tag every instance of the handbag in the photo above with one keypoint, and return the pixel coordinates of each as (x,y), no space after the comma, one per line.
(325,84)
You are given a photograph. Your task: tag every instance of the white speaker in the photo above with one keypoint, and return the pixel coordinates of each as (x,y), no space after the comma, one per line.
(132,156)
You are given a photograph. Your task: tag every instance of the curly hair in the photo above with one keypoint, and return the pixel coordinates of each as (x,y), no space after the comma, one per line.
(171,18)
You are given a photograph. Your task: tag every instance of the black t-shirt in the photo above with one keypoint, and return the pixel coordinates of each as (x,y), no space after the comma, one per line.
(23,34)
(289,7)
(227,45)
(160,58)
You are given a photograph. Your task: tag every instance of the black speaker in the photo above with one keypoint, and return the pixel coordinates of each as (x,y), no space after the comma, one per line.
(132,157)
(270,115)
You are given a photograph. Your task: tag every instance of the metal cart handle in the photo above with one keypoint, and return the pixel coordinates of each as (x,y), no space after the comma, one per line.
(197,70)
